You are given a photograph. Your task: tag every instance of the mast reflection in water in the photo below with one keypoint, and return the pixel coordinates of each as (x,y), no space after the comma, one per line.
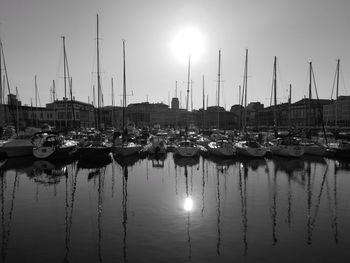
(175,210)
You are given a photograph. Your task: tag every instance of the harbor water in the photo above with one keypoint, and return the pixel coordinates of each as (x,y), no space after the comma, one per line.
(176,210)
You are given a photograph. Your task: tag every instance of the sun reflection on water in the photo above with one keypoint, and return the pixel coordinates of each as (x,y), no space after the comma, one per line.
(188,204)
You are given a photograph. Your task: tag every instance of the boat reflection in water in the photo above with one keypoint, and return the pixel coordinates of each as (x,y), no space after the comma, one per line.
(157,160)
(2,162)
(221,163)
(46,172)
(341,166)
(286,165)
(19,164)
(243,197)
(7,209)
(125,162)
(188,202)
(222,210)
(95,164)
(186,161)
(252,163)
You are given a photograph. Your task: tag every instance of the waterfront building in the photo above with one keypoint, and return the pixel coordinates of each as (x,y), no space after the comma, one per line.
(72,114)
(215,116)
(148,114)
(14,113)
(67,114)
(112,116)
(306,112)
(337,112)
(301,114)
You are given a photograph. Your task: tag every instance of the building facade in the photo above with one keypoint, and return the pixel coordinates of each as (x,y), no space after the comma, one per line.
(72,114)
(337,112)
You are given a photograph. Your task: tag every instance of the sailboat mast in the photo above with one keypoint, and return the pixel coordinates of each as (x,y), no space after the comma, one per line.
(1,87)
(176,89)
(64,66)
(207,101)
(71,100)
(290,103)
(245,82)
(188,81)
(6,81)
(124,86)
(31,110)
(54,105)
(65,78)
(309,102)
(36,102)
(337,94)
(17,117)
(219,77)
(246,79)
(112,103)
(98,72)
(191,96)
(275,94)
(218,91)
(203,102)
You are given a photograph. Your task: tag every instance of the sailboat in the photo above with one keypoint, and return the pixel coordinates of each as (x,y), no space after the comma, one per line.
(247,146)
(312,147)
(123,147)
(95,148)
(287,146)
(341,148)
(15,145)
(220,147)
(187,148)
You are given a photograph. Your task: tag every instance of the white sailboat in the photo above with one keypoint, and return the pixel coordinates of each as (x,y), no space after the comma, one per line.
(95,148)
(187,148)
(341,148)
(287,146)
(250,148)
(157,145)
(312,147)
(15,145)
(221,147)
(247,146)
(122,146)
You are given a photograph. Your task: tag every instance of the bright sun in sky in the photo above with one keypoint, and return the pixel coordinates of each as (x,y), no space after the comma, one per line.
(188,42)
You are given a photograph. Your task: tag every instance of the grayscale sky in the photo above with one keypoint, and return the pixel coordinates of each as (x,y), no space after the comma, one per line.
(296,31)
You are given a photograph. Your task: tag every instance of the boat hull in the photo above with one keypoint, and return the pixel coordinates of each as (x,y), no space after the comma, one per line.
(225,149)
(55,153)
(250,151)
(126,150)
(315,149)
(93,152)
(186,151)
(16,148)
(343,150)
(287,150)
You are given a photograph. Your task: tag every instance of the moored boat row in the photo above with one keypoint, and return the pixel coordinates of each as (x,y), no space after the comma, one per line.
(49,145)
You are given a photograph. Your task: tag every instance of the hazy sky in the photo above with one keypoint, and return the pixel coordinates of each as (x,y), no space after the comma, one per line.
(296,31)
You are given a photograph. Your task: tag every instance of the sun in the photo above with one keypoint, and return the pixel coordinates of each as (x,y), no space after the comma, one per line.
(189,41)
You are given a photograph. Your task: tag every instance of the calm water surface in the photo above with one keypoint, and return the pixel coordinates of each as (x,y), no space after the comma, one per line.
(176,210)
